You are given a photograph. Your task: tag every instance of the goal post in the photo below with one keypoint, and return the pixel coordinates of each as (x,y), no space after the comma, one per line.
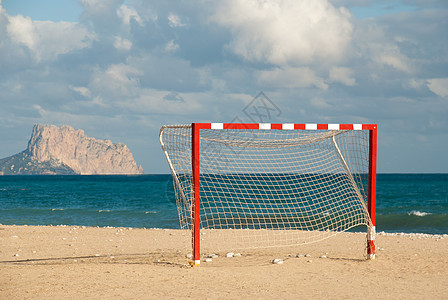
(272,184)
(372,191)
(196,201)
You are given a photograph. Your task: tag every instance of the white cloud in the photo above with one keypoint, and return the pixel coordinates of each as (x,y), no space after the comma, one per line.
(173,96)
(174,21)
(438,86)
(85,92)
(94,3)
(377,44)
(48,39)
(98,101)
(416,84)
(342,75)
(155,102)
(291,78)
(314,60)
(116,82)
(395,60)
(286,32)
(21,30)
(40,110)
(121,73)
(320,103)
(122,44)
(171,46)
(57,38)
(98,7)
(127,13)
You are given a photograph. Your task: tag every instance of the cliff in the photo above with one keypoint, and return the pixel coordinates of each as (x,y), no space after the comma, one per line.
(64,150)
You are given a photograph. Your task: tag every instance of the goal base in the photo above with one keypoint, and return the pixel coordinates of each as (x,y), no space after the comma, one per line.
(194,263)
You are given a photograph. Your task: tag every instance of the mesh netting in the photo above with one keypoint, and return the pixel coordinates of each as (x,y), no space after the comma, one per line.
(271,187)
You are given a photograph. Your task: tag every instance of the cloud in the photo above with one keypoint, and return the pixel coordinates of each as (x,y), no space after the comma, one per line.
(320,103)
(127,67)
(127,14)
(59,38)
(173,96)
(115,82)
(379,48)
(286,32)
(85,92)
(102,16)
(173,105)
(168,72)
(438,86)
(96,8)
(48,39)
(171,46)
(174,21)
(122,44)
(392,57)
(342,75)
(292,78)
(21,30)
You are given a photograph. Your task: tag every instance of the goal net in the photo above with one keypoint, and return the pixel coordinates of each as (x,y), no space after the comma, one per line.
(243,186)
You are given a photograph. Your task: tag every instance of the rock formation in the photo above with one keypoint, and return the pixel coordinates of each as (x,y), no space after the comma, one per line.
(63,150)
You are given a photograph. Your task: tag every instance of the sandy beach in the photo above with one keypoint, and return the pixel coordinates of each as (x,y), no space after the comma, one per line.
(71,262)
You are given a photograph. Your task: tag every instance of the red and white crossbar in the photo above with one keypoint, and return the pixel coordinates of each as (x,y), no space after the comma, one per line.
(195,140)
(286,126)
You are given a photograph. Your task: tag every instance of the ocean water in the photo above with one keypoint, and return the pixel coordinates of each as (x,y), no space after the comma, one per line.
(119,201)
(405,202)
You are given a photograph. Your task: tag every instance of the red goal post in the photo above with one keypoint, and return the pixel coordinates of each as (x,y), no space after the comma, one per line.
(196,128)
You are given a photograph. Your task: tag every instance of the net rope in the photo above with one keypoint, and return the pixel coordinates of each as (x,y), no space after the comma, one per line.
(271,188)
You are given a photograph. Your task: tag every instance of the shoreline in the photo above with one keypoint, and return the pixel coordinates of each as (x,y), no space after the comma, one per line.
(82,262)
(380,233)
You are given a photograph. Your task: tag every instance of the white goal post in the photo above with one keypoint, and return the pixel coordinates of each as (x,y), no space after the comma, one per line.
(277,184)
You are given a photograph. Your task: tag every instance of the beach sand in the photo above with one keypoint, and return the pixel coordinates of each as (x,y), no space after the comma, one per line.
(71,262)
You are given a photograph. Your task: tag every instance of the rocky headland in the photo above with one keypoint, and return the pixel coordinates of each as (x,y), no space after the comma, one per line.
(66,151)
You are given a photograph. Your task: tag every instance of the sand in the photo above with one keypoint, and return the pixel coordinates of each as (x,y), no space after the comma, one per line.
(71,262)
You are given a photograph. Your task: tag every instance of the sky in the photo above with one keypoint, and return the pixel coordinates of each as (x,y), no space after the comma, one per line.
(120,70)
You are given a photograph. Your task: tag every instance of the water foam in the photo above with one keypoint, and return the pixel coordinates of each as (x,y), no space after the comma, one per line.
(418,213)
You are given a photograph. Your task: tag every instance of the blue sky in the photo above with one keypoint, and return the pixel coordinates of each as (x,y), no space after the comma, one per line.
(122,69)
(44,10)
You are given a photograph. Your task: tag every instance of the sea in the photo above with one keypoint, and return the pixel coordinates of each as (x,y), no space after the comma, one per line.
(408,203)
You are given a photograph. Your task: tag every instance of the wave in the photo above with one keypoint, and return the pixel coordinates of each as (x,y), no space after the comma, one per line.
(413,221)
(125,211)
(53,209)
(418,213)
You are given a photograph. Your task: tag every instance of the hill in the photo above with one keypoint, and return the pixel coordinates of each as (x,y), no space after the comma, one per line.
(66,151)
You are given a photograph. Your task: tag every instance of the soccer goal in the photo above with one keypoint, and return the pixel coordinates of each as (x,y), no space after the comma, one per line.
(271,185)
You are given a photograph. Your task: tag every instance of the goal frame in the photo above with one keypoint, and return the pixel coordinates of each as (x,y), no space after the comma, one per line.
(195,160)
